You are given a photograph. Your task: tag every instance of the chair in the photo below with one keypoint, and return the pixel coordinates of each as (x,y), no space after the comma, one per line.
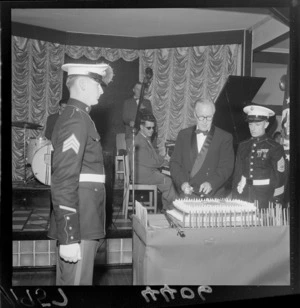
(119,161)
(128,187)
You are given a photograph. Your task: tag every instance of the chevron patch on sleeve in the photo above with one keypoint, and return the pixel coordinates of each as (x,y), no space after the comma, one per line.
(71,143)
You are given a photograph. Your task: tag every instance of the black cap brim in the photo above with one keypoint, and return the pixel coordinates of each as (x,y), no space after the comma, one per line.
(253,118)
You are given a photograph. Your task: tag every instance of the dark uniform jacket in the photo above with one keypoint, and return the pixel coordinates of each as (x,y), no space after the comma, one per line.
(51,120)
(77,171)
(129,113)
(260,159)
(217,165)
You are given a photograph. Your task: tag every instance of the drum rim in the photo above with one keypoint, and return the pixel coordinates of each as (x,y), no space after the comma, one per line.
(33,164)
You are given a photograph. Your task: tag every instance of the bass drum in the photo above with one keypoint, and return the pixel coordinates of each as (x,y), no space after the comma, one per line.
(33,145)
(41,164)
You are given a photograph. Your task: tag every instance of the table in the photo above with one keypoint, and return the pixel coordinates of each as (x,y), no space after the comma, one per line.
(209,256)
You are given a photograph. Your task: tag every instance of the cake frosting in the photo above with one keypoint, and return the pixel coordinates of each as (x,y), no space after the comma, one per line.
(213,212)
(213,205)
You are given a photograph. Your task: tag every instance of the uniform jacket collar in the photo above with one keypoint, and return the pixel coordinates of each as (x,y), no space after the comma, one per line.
(78,104)
(260,138)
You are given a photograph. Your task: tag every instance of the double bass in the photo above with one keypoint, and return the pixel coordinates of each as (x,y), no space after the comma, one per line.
(145,84)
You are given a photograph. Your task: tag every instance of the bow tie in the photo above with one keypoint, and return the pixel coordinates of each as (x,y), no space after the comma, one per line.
(199,131)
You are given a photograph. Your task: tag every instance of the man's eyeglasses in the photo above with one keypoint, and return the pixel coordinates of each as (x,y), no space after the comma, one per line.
(149,127)
(201,118)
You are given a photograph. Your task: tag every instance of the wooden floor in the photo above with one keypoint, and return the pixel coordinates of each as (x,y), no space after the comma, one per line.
(103,276)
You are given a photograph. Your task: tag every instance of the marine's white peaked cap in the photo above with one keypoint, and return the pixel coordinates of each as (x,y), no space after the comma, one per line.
(101,69)
(258,113)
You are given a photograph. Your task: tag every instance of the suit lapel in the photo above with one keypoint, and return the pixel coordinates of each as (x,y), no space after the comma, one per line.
(150,146)
(194,147)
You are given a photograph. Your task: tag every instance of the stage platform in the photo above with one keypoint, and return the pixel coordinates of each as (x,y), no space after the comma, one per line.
(31,212)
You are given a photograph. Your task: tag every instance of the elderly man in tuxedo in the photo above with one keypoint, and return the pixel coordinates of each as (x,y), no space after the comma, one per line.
(203,158)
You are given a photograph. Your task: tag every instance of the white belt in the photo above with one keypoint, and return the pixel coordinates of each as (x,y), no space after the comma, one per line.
(90,177)
(261,182)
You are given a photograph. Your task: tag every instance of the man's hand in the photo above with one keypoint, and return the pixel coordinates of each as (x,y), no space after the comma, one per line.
(205,188)
(131,123)
(70,252)
(186,188)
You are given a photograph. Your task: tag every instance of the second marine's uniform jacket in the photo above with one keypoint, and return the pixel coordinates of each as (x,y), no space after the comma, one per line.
(260,169)
(77,172)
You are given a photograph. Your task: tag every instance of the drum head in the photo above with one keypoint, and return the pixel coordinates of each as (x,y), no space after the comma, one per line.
(33,145)
(41,164)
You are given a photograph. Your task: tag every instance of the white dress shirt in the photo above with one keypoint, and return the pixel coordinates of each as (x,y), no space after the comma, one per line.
(200,140)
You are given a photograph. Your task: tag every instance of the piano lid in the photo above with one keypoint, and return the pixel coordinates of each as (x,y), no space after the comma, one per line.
(237,92)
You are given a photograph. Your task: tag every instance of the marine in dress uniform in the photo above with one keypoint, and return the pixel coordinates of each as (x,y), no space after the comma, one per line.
(260,165)
(78,177)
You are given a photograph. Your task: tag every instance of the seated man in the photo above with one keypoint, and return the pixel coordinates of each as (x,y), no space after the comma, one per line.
(147,162)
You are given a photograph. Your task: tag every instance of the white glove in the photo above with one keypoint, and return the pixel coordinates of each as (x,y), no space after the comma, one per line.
(241,185)
(70,252)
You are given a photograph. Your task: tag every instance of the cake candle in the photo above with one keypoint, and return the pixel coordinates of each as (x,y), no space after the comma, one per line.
(235,218)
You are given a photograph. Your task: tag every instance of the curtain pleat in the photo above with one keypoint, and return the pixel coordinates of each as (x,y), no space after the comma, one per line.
(94,53)
(36,91)
(180,77)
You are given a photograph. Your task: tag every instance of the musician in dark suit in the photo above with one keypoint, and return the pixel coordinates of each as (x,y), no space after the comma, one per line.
(148,162)
(130,110)
(203,158)
(51,120)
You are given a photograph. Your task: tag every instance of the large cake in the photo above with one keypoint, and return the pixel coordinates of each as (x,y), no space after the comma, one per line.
(197,213)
